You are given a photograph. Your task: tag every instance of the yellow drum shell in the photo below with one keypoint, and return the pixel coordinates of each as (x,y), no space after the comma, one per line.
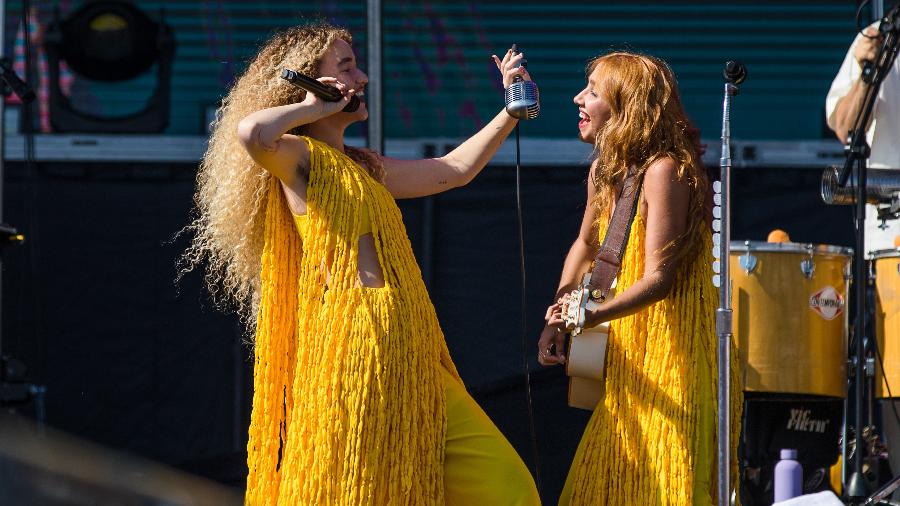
(791,329)
(887,321)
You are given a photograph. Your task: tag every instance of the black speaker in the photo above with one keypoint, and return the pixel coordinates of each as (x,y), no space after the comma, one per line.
(809,424)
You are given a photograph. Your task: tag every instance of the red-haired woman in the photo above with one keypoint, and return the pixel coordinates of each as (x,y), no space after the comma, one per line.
(652,438)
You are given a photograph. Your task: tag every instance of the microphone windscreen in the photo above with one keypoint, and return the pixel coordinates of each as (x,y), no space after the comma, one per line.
(778,235)
(735,72)
(522,100)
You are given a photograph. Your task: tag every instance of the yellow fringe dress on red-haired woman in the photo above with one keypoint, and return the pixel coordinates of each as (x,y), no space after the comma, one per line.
(652,439)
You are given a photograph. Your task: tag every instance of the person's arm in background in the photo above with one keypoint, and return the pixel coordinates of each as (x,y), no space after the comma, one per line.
(845,98)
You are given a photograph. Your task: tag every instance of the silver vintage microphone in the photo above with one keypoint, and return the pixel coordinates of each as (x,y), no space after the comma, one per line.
(522,98)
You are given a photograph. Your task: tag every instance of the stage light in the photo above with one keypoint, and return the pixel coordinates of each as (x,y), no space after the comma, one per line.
(110,40)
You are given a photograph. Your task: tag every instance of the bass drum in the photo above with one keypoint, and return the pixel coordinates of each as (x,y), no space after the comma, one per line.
(790,321)
(885,264)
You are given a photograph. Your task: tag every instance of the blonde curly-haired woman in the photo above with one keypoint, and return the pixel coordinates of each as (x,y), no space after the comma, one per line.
(356,399)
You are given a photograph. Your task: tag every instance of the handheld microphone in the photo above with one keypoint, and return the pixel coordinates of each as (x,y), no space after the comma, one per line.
(522,99)
(323,91)
(735,72)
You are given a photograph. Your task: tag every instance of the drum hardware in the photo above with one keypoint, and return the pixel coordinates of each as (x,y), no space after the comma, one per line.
(874,448)
(748,262)
(869,366)
(891,212)
(808,267)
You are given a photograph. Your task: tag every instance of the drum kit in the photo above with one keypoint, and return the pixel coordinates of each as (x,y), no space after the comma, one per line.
(791,325)
(786,306)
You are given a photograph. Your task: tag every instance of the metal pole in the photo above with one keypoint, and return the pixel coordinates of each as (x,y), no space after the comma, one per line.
(877,9)
(374,90)
(856,486)
(724,313)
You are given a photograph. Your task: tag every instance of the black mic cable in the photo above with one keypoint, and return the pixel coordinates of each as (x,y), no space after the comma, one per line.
(528,396)
(522,102)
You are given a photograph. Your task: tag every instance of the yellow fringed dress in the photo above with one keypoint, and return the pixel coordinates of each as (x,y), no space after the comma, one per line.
(349,404)
(652,439)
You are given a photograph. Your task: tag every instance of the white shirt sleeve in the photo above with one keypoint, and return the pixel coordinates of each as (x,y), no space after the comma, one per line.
(843,81)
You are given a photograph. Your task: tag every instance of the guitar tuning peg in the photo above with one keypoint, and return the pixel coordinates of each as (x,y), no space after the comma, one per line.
(717,186)
(717,281)
(715,252)
(716,267)
(717,225)
(717,199)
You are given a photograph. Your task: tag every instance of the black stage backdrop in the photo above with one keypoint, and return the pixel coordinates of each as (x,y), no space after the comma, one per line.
(133,361)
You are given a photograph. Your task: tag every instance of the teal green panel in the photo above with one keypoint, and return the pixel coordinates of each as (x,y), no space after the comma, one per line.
(440,81)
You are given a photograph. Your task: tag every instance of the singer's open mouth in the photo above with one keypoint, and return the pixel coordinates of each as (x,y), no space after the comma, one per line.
(585,119)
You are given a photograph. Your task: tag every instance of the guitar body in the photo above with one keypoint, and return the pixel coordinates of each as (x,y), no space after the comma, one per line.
(586,357)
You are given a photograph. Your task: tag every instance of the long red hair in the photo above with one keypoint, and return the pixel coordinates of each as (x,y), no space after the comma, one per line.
(647,122)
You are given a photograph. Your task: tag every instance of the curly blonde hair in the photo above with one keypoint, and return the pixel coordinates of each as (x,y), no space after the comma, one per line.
(647,122)
(232,190)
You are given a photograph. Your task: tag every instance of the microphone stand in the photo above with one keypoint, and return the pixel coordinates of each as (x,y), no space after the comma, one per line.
(734,75)
(858,151)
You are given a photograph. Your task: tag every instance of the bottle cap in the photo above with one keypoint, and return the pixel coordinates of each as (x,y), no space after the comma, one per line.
(788,453)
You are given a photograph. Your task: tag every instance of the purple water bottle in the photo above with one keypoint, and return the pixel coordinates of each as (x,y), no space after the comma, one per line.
(788,476)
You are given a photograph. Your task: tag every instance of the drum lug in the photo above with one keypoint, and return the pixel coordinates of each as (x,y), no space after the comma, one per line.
(808,268)
(748,262)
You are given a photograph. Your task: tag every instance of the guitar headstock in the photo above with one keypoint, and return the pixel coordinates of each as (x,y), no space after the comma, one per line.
(574,310)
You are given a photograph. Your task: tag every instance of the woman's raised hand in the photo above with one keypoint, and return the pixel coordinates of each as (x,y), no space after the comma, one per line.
(511,66)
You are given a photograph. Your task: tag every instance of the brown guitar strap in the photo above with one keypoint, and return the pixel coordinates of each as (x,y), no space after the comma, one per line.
(609,257)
